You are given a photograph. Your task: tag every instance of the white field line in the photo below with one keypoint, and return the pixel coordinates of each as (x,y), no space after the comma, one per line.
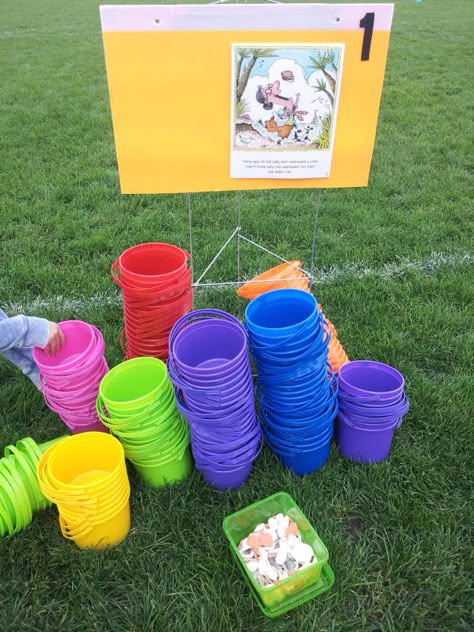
(325,276)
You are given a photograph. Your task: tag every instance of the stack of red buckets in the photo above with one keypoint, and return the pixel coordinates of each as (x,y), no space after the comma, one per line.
(156,283)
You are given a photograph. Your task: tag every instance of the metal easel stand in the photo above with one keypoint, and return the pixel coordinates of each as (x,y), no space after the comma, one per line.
(237,234)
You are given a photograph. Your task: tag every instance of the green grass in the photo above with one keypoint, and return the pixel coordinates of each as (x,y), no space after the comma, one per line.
(399,532)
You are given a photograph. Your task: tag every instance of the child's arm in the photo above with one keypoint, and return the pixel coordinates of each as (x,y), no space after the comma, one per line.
(24,332)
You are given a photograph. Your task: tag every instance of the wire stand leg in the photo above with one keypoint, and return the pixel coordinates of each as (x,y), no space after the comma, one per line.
(239,225)
(190,221)
(315,233)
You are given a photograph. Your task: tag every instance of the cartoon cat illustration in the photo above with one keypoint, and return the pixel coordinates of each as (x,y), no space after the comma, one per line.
(283,130)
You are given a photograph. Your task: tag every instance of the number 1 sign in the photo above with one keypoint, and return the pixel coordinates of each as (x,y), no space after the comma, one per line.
(223,97)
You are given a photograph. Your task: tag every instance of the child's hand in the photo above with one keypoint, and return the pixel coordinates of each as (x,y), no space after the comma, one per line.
(56,339)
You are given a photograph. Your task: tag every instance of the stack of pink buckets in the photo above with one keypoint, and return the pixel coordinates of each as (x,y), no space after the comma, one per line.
(70,380)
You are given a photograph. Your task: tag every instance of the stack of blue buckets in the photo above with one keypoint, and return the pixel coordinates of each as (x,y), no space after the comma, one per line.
(296,390)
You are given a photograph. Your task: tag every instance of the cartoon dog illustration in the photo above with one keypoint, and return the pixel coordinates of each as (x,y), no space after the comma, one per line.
(270,95)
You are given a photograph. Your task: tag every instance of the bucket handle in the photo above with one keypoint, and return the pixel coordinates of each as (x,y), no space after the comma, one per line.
(215,396)
(330,416)
(288,376)
(74,532)
(396,426)
(317,347)
(74,497)
(210,397)
(319,321)
(257,454)
(100,406)
(115,274)
(333,385)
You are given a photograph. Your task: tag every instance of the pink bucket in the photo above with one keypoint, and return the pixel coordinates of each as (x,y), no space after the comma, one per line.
(70,380)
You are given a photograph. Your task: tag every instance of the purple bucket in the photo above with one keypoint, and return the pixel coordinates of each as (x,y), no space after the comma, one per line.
(212,382)
(229,460)
(209,347)
(364,445)
(216,381)
(199,315)
(218,447)
(215,398)
(231,479)
(368,424)
(225,435)
(227,401)
(216,419)
(398,409)
(365,378)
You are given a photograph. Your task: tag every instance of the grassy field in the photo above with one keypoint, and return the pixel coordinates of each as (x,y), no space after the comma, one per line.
(395,275)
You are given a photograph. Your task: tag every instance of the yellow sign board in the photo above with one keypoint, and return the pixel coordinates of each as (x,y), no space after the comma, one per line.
(229,97)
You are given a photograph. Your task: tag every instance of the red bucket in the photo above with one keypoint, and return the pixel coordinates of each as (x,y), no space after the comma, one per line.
(151,263)
(156,283)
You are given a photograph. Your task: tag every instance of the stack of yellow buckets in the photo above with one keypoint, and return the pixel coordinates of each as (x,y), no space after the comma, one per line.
(86,477)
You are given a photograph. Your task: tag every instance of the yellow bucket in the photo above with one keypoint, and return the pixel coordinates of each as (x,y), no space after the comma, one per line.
(110,532)
(75,513)
(86,476)
(80,496)
(83,453)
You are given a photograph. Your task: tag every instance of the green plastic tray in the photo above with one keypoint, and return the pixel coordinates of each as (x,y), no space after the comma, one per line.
(239,524)
(324,583)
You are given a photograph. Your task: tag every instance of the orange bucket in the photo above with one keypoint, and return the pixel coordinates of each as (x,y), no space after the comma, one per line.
(337,356)
(284,275)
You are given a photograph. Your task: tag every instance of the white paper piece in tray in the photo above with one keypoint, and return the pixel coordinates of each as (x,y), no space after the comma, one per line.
(284,109)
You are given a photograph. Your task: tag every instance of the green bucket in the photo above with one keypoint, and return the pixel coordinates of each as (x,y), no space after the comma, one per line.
(161,400)
(47,444)
(160,431)
(27,473)
(12,483)
(131,386)
(174,470)
(156,414)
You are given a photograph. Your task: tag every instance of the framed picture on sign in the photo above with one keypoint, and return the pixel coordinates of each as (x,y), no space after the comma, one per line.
(284,114)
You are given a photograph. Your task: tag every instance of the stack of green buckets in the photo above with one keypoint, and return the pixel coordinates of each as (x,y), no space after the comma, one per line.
(136,402)
(20,494)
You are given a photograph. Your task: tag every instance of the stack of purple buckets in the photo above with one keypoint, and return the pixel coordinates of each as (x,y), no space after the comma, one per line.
(210,368)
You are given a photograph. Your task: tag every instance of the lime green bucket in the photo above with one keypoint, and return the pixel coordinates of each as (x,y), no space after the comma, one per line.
(164,443)
(130,387)
(176,469)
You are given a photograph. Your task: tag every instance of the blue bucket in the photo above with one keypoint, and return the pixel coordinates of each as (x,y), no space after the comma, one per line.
(285,350)
(291,406)
(306,429)
(303,462)
(281,313)
(292,440)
